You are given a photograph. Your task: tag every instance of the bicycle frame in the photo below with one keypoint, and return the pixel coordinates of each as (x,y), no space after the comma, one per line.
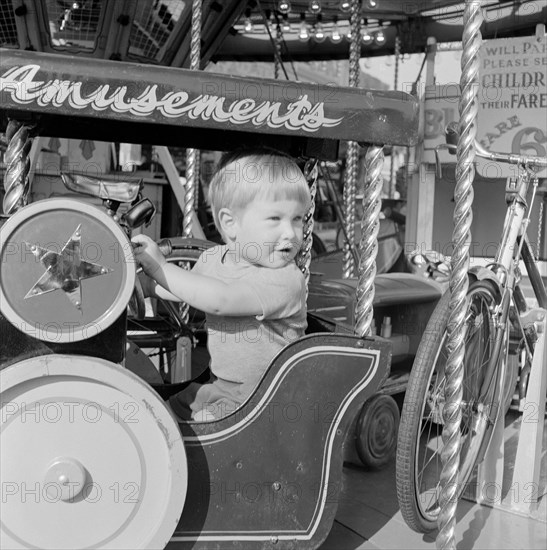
(513,246)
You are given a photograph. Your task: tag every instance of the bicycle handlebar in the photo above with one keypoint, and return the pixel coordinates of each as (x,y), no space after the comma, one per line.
(452,135)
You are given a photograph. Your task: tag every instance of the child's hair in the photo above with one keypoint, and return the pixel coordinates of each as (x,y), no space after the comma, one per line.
(247,174)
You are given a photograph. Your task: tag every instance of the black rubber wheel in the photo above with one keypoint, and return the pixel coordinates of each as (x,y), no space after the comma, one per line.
(376,431)
(418,463)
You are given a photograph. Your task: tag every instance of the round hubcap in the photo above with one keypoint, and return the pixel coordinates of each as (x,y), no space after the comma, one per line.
(90,457)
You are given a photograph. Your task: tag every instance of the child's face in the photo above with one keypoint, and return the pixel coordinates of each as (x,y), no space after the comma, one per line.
(269,232)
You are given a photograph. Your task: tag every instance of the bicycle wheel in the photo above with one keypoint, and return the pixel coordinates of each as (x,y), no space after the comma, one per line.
(418,463)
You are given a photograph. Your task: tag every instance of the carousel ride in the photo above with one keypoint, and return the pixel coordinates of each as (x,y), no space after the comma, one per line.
(85,438)
(118,456)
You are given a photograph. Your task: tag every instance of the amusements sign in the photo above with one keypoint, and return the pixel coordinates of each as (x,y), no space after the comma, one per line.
(112,94)
(512,103)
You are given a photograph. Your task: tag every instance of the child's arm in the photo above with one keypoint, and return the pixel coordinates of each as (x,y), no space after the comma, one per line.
(205,293)
(152,289)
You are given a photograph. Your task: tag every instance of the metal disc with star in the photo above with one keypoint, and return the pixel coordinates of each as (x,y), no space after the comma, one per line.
(67,270)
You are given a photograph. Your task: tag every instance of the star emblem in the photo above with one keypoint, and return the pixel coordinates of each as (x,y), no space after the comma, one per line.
(64,270)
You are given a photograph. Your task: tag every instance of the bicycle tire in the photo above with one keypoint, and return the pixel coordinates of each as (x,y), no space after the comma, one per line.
(418,490)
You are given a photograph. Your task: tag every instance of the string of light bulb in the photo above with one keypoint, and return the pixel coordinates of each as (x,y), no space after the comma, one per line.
(318,31)
(315,6)
(312,25)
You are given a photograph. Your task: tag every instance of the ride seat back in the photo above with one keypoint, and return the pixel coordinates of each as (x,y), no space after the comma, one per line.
(283,446)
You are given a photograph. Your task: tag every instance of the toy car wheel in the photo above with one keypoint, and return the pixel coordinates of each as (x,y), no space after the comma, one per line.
(90,457)
(376,431)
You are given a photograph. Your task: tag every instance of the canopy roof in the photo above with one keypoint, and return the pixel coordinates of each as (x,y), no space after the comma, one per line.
(413,21)
(129,48)
(158,31)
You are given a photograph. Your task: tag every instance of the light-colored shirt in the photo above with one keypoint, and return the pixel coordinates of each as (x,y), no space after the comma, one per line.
(241,348)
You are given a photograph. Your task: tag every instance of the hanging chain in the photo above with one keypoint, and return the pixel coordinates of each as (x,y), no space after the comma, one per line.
(395,87)
(277,58)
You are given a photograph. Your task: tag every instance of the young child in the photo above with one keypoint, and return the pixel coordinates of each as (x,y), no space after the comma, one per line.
(250,288)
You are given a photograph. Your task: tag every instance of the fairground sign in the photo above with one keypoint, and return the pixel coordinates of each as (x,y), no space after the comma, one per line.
(116,93)
(512,103)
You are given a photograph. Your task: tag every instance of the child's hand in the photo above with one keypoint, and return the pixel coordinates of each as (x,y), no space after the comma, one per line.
(148,254)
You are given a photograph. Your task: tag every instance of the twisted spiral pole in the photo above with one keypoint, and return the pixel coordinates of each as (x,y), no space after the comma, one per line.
(350,183)
(16,180)
(304,256)
(461,237)
(192,155)
(540,228)
(368,246)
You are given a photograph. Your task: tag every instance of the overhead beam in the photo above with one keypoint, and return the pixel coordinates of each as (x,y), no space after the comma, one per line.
(55,90)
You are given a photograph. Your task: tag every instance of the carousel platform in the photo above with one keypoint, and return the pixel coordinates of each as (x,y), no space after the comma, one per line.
(369,518)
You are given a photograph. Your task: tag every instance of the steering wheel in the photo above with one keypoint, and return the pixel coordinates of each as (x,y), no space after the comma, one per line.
(136,307)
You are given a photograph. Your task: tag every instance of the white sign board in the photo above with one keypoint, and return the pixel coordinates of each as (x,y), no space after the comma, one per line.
(512,114)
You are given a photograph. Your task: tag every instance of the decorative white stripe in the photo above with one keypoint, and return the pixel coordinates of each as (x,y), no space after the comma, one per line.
(276,382)
(318,513)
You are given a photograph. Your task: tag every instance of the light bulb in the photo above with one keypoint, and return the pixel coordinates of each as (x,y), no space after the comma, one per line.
(303,33)
(335,37)
(345,6)
(319,33)
(366,37)
(371,4)
(248,27)
(379,37)
(284,6)
(315,6)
